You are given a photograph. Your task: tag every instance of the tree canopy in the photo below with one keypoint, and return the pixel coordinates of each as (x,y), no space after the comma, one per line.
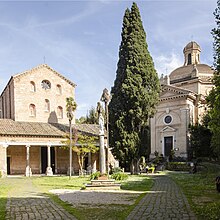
(82,145)
(214,96)
(135,92)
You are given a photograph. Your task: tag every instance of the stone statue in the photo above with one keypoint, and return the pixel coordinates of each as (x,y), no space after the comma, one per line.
(100,118)
(101,125)
(105,96)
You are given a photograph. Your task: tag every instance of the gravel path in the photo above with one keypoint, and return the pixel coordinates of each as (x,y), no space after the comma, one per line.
(97,197)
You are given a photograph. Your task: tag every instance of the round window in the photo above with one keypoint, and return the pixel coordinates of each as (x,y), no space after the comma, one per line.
(168,119)
(45,84)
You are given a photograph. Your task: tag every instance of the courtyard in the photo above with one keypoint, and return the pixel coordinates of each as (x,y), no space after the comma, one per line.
(164,195)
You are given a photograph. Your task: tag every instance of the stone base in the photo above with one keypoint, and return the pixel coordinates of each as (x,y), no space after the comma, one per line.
(3,173)
(106,184)
(28,171)
(49,171)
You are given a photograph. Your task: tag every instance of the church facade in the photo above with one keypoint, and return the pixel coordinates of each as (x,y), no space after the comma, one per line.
(182,102)
(34,124)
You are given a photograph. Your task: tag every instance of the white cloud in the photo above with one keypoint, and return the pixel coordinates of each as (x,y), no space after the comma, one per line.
(165,64)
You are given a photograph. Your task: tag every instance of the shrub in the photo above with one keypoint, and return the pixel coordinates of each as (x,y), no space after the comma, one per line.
(94,176)
(116,170)
(119,176)
(178,166)
(0,173)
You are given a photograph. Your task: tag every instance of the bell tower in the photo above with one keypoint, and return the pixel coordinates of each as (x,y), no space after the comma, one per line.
(192,53)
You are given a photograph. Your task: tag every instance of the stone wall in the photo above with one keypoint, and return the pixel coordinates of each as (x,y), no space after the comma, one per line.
(17,156)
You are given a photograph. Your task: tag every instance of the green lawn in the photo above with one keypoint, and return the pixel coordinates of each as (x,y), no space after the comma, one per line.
(200,190)
(4,188)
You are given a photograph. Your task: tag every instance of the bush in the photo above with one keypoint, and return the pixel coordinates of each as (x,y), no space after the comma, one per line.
(178,166)
(116,170)
(0,173)
(94,176)
(119,176)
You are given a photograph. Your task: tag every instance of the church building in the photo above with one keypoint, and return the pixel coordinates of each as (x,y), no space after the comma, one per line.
(182,102)
(34,124)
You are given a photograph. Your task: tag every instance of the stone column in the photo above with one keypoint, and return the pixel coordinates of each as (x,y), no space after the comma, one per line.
(102,163)
(3,160)
(94,167)
(28,169)
(49,171)
(89,167)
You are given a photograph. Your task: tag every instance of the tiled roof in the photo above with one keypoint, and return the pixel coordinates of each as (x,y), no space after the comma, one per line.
(15,128)
(91,129)
(10,127)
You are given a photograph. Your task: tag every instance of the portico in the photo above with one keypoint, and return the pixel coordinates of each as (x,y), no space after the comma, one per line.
(27,153)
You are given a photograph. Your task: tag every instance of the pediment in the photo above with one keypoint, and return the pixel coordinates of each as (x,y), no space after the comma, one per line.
(170,91)
(39,68)
(167,129)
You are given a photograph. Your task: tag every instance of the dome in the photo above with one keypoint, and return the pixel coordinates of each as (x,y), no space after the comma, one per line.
(192,46)
(184,72)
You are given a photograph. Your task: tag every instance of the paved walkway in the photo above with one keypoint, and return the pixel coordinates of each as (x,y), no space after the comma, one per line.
(27,202)
(164,201)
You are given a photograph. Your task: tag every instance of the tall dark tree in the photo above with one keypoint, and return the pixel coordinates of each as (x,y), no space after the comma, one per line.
(214,96)
(135,92)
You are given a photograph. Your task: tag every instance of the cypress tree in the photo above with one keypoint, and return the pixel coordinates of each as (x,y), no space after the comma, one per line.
(214,96)
(135,92)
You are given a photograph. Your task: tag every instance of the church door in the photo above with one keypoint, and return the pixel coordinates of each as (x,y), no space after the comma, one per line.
(168,145)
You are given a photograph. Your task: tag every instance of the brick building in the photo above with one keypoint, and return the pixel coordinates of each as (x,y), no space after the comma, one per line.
(33,124)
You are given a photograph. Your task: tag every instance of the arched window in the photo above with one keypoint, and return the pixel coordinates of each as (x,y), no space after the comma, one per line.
(189,59)
(32,110)
(59,112)
(33,87)
(59,89)
(47,105)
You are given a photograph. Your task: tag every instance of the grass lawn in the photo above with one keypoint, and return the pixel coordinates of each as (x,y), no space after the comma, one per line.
(200,190)
(4,188)
(88,211)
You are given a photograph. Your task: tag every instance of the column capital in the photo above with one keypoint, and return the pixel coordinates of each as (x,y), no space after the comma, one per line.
(28,145)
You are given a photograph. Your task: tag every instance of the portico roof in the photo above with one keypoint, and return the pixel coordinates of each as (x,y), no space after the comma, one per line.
(9,127)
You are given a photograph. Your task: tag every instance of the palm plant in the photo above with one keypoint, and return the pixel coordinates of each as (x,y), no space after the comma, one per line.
(70,108)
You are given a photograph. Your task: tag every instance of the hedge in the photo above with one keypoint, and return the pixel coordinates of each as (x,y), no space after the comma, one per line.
(178,166)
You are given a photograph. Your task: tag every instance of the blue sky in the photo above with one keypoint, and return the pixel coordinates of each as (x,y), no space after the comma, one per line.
(80,39)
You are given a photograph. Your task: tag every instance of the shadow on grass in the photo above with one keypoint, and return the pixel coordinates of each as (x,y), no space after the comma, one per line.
(3,202)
